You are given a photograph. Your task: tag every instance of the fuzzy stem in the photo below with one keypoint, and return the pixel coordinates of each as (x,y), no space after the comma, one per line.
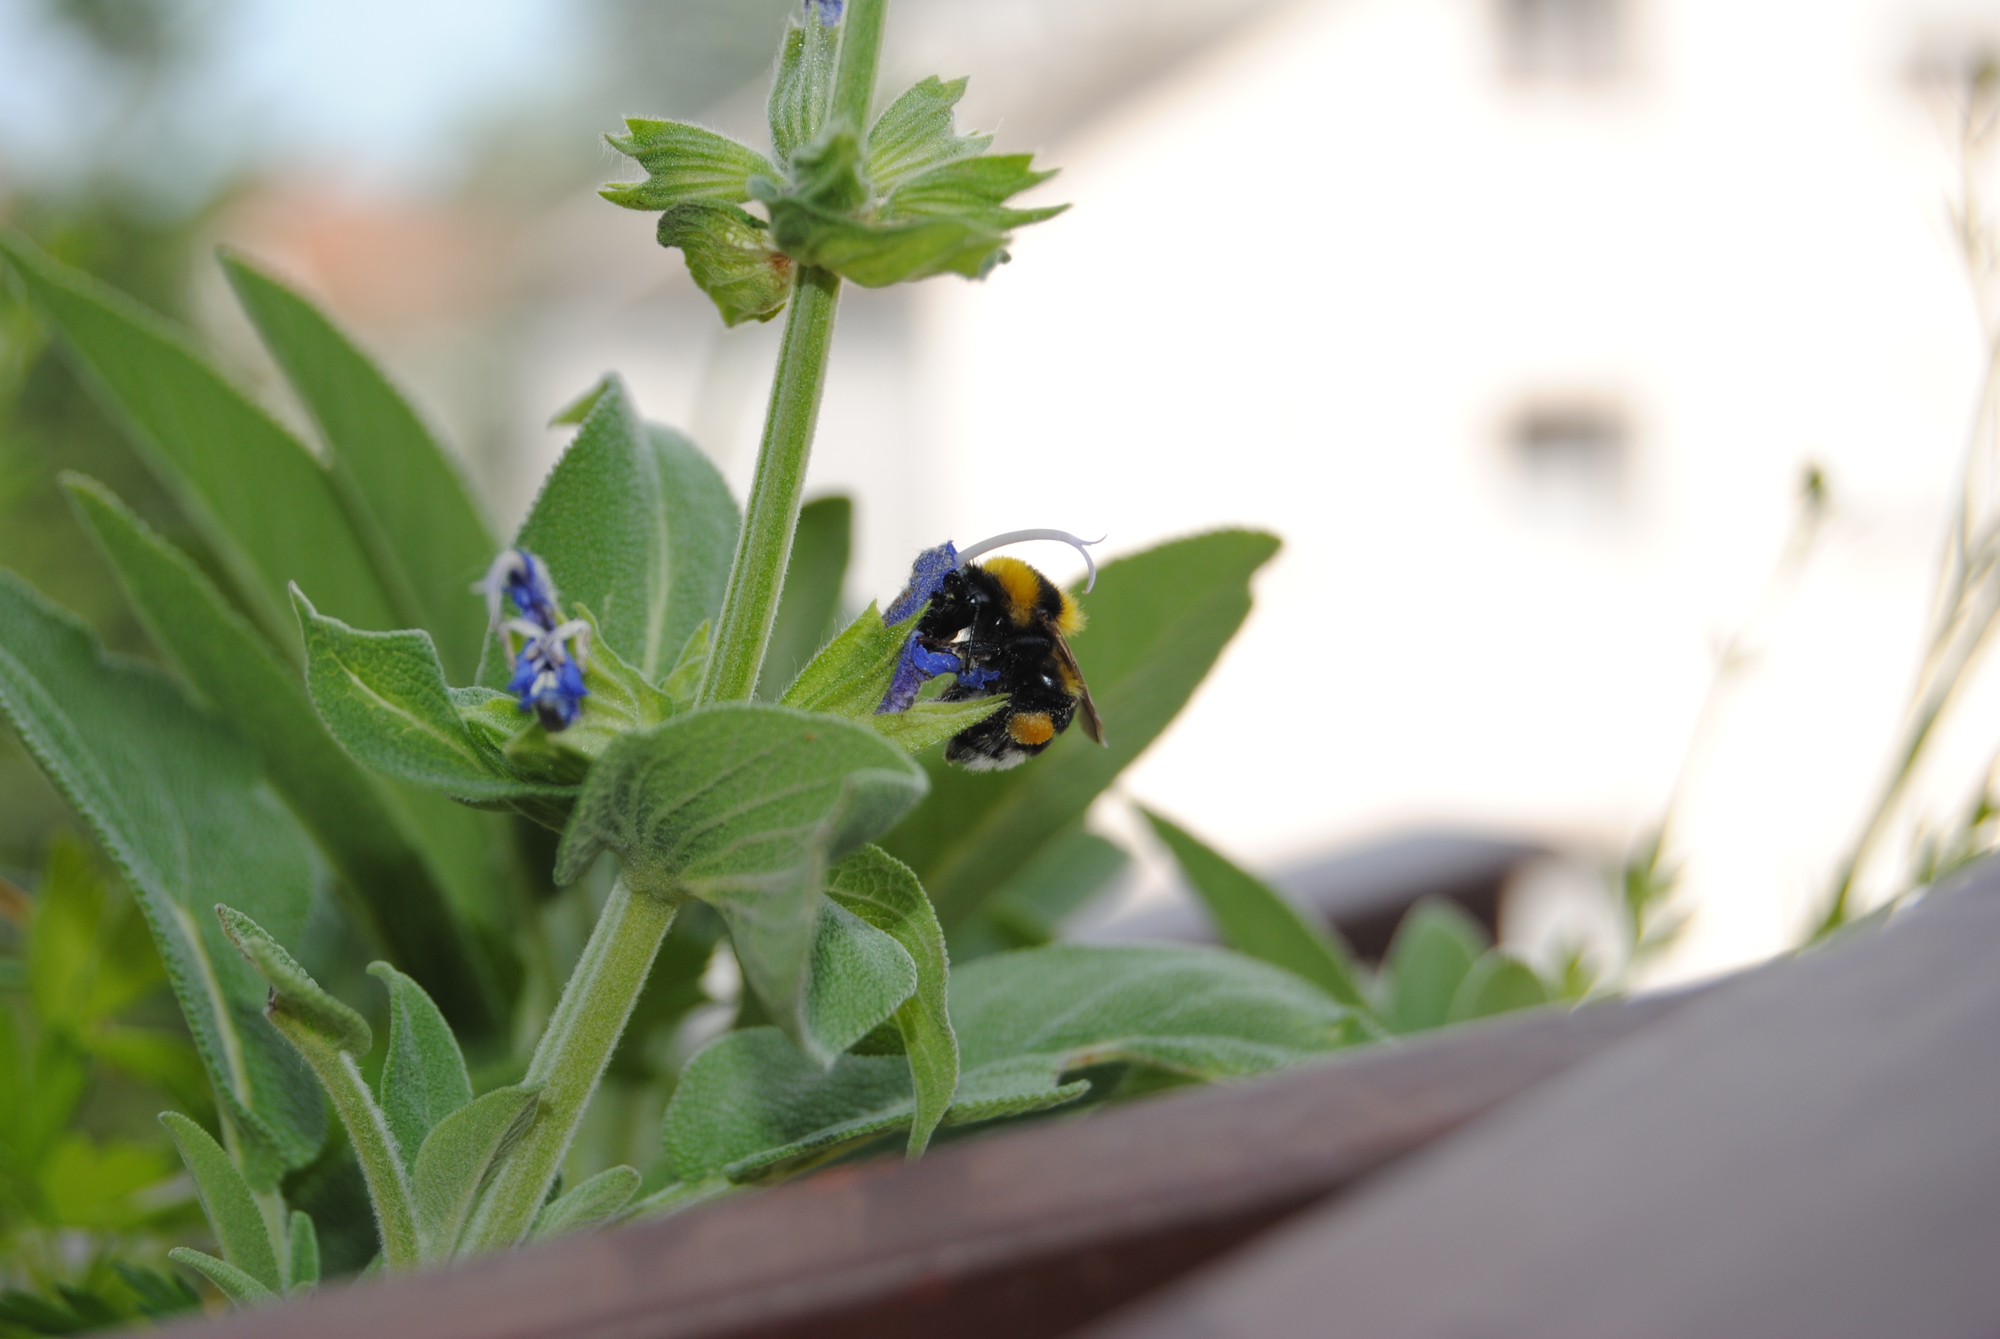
(576,1047)
(374,1146)
(757,577)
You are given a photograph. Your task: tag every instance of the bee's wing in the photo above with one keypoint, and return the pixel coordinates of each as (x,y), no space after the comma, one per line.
(1092,725)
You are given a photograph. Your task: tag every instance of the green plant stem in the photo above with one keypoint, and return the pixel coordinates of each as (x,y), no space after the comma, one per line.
(582,1034)
(374,1146)
(764,547)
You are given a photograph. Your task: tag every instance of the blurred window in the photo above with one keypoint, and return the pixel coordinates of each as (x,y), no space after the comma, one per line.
(1562,41)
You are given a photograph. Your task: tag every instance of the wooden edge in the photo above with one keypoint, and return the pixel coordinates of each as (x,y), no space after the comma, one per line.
(1812,1151)
(1048,1226)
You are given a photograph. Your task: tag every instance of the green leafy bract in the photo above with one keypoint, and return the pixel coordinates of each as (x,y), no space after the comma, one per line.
(804,83)
(859,976)
(1256,920)
(1158,620)
(743,806)
(262,504)
(1433,951)
(365,831)
(636,524)
(882,891)
(423,1074)
(179,803)
(405,496)
(730,257)
(916,132)
(749,1105)
(851,677)
(383,696)
(683,163)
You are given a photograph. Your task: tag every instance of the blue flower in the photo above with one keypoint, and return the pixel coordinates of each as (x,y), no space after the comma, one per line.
(829,11)
(548,667)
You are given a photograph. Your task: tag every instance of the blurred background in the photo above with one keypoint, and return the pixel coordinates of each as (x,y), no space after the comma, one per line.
(1521,321)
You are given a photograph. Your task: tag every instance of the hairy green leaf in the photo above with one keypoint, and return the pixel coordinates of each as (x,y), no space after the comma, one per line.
(1496,984)
(366,833)
(749,1105)
(743,806)
(859,976)
(809,610)
(405,495)
(1255,919)
(263,505)
(295,997)
(1158,620)
(1434,948)
(180,805)
(917,132)
(683,162)
(804,83)
(851,677)
(423,1074)
(636,524)
(383,696)
(225,1197)
(459,1155)
(1029,909)
(234,1284)
(882,891)
(304,1275)
(595,1201)
(730,258)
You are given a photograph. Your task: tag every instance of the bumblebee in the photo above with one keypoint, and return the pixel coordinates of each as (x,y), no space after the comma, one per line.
(1002,628)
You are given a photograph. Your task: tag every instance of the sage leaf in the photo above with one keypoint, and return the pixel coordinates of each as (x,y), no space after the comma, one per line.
(304,1276)
(596,1201)
(1433,950)
(636,524)
(743,806)
(683,163)
(260,501)
(804,82)
(750,1106)
(1496,984)
(809,609)
(682,686)
(1028,910)
(1158,620)
(365,831)
(1027,1018)
(179,804)
(233,1283)
(459,1155)
(383,696)
(225,1198)
(916,132)
(859,977)
(928,723)
(882,891)
(405,496)
(1255,919)
(750,1103)
(423,1073)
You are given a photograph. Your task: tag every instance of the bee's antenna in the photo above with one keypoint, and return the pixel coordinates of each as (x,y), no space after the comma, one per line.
(1082,546)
